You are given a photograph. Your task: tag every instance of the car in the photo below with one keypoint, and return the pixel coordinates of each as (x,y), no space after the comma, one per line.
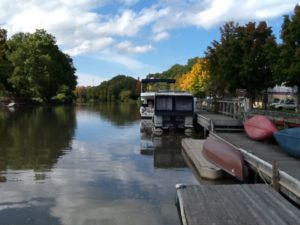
(274,102)
(285,104)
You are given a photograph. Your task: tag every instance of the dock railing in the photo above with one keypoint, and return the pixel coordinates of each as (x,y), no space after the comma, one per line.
(286,119)
(234,107)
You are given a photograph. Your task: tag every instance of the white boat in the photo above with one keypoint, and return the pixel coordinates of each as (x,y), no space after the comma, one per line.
(166,108)
(148,89)
(147,107)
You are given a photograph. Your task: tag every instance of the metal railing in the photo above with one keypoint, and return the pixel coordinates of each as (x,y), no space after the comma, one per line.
(235,107)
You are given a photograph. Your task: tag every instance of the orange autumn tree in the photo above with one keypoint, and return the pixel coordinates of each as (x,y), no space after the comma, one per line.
(195,80)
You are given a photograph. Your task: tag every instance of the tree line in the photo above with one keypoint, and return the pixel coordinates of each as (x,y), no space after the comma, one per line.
(246,57)
(119,88)
(34,69)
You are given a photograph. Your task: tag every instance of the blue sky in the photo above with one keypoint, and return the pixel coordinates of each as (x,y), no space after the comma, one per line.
(135,37)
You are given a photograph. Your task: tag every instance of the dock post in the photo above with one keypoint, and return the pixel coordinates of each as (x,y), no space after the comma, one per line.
(275,176)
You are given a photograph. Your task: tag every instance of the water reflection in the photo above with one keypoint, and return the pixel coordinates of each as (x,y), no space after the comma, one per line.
(35,138)
(118,113)
(103,180)
(166,149)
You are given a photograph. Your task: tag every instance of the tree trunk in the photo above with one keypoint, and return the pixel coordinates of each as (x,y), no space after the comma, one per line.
(297,98)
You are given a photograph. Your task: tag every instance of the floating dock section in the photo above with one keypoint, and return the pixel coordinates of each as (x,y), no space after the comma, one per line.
(255,204)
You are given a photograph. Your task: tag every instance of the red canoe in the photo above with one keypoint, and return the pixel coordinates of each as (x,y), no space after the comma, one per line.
(259,128)
(224,156)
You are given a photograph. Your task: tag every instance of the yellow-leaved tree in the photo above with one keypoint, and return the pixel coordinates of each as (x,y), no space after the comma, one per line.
(195,80)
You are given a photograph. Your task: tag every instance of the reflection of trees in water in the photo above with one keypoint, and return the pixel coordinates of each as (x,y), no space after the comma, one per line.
(35,138)
(118,113)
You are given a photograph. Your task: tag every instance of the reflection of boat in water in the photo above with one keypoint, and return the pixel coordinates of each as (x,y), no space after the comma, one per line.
(147,147)
(10,105)
(164,108)
(166,150)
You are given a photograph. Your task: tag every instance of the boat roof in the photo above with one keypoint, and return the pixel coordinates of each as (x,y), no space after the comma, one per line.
(173,93)
(157,80)
(147,94)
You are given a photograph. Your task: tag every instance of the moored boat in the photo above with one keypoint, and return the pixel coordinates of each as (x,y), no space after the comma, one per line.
(259,128)
(289,140)
(167,109)
(224,156)
(148,89)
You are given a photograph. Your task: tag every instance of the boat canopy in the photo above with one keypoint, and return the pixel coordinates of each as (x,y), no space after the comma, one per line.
(158,80)
(174,105)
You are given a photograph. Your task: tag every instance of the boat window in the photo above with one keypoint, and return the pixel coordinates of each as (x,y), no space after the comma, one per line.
(183,104)
(164,103)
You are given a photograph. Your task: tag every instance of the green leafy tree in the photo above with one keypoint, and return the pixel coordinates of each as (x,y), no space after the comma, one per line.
(176,70)
(289,60)
(125,95)
(244,58)
(5,65)
(111,90)
(40,70)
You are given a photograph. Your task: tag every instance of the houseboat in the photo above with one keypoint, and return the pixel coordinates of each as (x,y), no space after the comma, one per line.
(166,109)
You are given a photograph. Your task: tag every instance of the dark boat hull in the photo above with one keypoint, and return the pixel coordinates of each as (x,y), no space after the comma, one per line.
(259,128)
(224,156)
(289,140)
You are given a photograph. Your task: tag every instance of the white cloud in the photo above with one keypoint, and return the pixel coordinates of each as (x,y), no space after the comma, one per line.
(210,13)
(126,61)
(127,47)
(89,79)
(129,2)
(78,26)
(129,62)
(82,26)
(88,46)
(161,36)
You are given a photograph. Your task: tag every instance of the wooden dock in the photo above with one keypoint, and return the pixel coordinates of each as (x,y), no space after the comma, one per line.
(260,157)
(234,205)
(219,122)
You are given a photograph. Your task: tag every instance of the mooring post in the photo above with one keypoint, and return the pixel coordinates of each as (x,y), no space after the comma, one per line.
(275,176)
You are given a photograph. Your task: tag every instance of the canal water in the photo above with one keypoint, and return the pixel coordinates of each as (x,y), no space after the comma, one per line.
(87,165)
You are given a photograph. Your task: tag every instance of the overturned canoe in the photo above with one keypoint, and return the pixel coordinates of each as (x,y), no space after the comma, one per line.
(224,156)
(259,128)
(193,149)
(289,140)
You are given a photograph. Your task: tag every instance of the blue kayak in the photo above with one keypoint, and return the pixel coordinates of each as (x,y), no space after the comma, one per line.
(289,140)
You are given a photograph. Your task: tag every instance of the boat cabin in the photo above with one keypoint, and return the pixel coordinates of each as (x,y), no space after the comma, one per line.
(173,110)
(168,109)
(148,89)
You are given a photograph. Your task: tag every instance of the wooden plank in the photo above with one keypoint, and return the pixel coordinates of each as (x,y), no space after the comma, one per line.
(266,151)
(255,155)
(193,149)
(234,205)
